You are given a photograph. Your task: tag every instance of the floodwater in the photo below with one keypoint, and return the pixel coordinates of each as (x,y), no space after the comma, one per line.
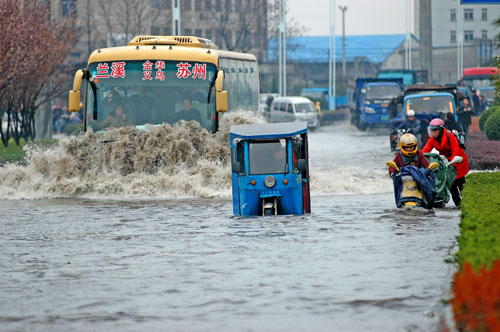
(89,250)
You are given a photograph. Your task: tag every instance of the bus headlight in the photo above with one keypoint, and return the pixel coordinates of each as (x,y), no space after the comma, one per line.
(269,181)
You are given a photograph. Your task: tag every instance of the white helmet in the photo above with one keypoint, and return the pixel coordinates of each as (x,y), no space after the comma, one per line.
(410,113)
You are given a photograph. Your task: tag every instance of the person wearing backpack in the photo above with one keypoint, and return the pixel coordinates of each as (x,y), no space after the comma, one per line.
(447,145)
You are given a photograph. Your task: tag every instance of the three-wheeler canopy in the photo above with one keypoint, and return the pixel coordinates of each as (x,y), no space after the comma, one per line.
(268,130)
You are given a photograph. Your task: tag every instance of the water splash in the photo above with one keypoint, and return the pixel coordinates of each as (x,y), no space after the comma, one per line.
(159,162)
(349,180)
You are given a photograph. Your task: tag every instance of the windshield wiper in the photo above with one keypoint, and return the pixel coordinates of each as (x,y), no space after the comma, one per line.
(212,83)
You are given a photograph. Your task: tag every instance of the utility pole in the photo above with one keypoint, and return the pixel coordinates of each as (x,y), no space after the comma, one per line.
(176,17)
(282,48)
(408,36)
(460,42)
(344,69)
(89,48)
(426,37)
(331,58)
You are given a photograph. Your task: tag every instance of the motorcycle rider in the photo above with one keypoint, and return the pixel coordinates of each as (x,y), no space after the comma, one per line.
(409,154)
(447,144)
(411,125)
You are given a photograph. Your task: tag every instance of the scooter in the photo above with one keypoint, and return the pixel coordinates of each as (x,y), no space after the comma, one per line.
(414,186)
(445,174)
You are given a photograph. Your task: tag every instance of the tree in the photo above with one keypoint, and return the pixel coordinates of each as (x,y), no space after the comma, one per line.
(239,25)
(31,48)
(118,21)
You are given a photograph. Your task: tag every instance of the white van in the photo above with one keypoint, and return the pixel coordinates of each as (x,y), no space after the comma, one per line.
(290,109)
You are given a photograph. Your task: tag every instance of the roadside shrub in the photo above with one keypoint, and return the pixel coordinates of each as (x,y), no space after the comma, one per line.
(479,239)
(485,115)
(477,298)
(476,286)
(492,126)
(73,128)
(481,152)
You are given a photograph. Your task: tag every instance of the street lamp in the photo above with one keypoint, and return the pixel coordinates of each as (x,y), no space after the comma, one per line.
(176,17)
(344,70)
(331,58)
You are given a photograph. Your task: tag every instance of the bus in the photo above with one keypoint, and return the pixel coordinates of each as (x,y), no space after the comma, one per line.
(164,79)
(477,77)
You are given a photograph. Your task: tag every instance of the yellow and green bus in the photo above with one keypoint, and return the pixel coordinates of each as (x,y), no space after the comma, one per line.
(159,79)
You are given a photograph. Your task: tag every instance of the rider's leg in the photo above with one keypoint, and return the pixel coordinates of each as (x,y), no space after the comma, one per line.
(456,189)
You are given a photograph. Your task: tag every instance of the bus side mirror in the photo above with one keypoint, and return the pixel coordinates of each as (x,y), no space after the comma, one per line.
(302,165)
(220,95)
(74,101)
(236,167)
(74,95)
(221,101)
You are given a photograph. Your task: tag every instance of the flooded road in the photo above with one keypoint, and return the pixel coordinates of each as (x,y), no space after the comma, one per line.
(355,264)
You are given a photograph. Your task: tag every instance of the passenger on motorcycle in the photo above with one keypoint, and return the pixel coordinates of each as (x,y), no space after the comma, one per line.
(411,125)
(447,145)
(409,154)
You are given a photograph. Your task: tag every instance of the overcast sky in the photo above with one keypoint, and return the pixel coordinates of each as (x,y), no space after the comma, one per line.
(363,17)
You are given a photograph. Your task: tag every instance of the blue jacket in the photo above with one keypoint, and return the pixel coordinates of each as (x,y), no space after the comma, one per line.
(425,180)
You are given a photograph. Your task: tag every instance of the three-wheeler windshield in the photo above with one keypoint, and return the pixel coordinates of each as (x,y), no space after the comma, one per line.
(430,104)
(267,157)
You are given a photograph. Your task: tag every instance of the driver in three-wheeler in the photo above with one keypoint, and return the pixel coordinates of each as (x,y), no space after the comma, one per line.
(270,172)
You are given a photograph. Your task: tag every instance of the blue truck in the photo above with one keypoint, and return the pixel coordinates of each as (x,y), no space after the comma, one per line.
(370,100)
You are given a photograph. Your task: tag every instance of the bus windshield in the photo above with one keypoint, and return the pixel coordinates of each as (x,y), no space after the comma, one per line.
(267,157)
(150,92)
(430,104)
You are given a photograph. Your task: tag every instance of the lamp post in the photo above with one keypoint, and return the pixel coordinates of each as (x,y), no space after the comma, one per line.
(282,48)
(176,17)
(344,69)
(331,58)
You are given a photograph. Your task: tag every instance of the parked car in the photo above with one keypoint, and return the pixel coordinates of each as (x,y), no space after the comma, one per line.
(291,109)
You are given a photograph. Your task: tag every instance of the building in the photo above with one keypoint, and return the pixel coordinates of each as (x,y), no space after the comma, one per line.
(477,22)
(308,58)
(479,36)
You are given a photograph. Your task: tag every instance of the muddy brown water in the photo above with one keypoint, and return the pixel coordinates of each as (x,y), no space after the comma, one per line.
(108,247)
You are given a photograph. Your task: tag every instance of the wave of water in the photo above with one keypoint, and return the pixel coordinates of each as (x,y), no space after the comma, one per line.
(160,162)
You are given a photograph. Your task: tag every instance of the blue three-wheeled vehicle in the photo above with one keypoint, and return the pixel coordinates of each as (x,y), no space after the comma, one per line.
(270,172)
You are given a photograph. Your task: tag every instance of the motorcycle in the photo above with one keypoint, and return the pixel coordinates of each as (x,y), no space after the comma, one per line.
(445,174)
(460,137)
(414,186)
(394,139)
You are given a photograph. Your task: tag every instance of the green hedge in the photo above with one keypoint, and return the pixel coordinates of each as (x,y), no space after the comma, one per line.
(479,239)
(485,115)
(492,126)
(16,153)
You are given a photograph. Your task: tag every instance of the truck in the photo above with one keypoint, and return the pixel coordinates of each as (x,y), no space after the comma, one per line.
(409,76)
(369,105)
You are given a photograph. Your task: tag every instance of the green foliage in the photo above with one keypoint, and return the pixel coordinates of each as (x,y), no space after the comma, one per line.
(492,126)
(12,152)
(479,239)
(16,153)
(485,115)
(73,128)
